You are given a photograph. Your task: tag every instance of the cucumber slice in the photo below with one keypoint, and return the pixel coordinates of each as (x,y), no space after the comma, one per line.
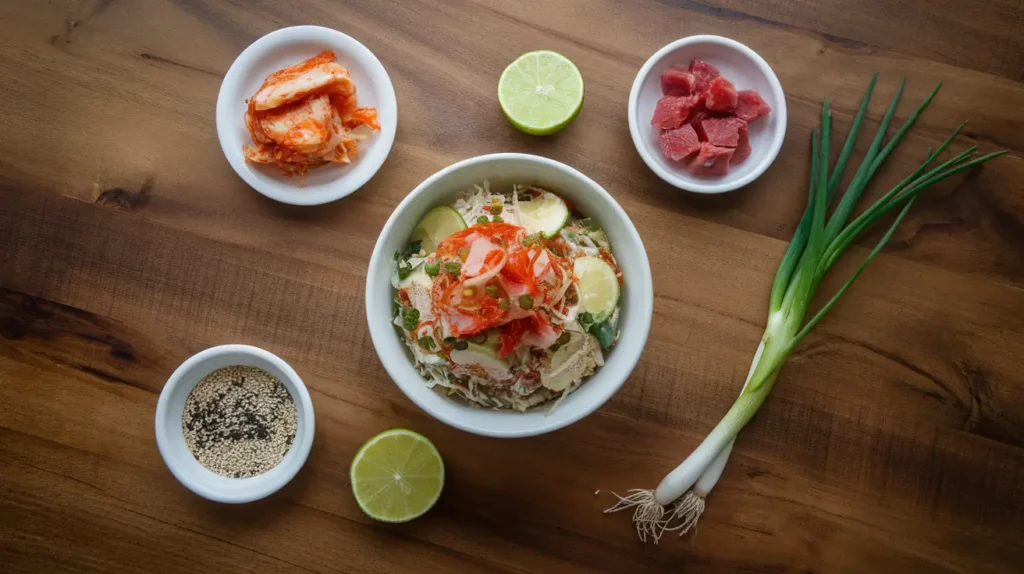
(482,355)
(599,287)
(558,382)
(545,214)
(436,226)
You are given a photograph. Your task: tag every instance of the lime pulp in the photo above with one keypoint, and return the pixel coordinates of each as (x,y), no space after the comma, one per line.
(545,214)
(541,92)
(397,476)
(598,285)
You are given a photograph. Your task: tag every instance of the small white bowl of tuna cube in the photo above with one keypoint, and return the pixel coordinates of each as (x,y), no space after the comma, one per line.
(707,114)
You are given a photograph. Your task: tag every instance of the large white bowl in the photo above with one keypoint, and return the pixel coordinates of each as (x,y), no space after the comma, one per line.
(170,438)
(502,170)
(285,47)
(744,68)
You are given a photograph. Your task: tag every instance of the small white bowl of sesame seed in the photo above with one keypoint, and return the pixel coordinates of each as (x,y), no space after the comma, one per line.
(234,423)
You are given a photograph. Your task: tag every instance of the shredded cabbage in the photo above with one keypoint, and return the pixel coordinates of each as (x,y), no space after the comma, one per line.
(523,389)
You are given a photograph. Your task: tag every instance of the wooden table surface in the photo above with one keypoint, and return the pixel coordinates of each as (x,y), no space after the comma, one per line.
(893,441)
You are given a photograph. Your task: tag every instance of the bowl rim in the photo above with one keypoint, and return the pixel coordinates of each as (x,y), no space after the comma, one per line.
(346,183)
(304,404)
(645,312)
(778,136)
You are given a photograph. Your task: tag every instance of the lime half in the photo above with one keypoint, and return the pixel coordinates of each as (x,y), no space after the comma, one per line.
(436,225)
(599,287)
(541,92)
(397,476)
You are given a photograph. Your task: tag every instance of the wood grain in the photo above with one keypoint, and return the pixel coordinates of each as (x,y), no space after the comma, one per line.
(893,441)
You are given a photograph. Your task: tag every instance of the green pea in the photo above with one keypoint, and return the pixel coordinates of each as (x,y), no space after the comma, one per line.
(498,219)
(461,345)
(604,333)
(481,220)
(503,303)
(453,267)
(432,268)
(492,291)
(526,302)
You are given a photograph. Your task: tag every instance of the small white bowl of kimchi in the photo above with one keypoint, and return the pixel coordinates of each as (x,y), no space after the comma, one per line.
(319,128)
(482,279)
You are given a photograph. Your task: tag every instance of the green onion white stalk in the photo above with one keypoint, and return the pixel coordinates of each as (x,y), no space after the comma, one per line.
(818,242)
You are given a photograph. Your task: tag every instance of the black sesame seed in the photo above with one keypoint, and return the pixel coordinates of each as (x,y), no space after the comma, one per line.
(239,421)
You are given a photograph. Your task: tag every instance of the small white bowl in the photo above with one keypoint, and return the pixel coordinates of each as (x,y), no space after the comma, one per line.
(283,48)
(502,170)
(740,65)
(171,440)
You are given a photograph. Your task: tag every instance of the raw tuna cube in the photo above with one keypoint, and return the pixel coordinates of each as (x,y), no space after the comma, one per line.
(743,148)
(672,111)
(679,143)
(711,161)
(723,132)
(704,73)
(697,115)
(750,106)
(721,95)
(677,81)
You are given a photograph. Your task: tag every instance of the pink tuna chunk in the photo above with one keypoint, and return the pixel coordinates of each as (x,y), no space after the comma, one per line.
(672,111)
(711,161)
(723,132)
(678,143)
(743,148)
(677,81)
(750,106)
(704,73)
(721,95)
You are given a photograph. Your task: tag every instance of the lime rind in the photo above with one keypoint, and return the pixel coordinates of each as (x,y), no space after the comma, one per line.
(373,475)
(541,92)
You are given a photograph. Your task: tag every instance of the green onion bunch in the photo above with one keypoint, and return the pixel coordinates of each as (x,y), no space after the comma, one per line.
(819,241)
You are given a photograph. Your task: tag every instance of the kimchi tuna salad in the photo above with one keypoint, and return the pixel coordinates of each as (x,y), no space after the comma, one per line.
(507,299)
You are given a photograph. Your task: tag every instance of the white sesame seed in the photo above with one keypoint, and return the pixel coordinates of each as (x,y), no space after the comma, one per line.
(239,421)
